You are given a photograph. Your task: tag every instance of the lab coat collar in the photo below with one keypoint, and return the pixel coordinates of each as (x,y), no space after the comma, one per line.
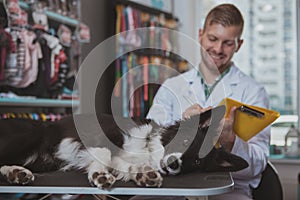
(222,90)
(225,87)
(230,77)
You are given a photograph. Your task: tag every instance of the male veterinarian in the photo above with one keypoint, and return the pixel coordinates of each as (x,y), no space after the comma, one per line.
(220,38)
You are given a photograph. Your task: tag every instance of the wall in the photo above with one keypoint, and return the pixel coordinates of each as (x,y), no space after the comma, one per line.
(187,23)
(165,5)
(99,16)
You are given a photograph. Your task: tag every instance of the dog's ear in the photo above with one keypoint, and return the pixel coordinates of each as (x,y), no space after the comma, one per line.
(207,126)
(188,135)
(211,117)
(221,160)
(212,121)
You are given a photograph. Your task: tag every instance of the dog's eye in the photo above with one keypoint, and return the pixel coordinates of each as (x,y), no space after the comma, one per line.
(197,161)
(172,162)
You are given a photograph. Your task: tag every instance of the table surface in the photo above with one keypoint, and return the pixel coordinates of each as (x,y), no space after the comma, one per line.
(283,159)
(192,184)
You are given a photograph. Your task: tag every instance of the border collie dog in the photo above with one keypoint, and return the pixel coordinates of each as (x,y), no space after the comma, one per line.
(123,149)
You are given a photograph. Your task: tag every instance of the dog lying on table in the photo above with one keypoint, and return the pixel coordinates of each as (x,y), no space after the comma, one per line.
(141,152)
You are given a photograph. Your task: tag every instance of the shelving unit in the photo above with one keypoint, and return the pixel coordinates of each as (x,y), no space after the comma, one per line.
(135,100)
(53,16)
(22,102)
(43,104)
(144,8)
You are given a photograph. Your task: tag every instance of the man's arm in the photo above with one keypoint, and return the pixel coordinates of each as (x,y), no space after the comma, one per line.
(256,150)
(162,109)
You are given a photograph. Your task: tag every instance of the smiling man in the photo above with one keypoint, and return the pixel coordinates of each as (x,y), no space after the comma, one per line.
(220,39)
(218,77)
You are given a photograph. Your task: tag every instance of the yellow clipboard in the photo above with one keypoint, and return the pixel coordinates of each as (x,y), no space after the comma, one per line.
(249,120)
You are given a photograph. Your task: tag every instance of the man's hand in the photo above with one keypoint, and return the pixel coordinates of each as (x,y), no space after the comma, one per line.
(227,136)
(194,110)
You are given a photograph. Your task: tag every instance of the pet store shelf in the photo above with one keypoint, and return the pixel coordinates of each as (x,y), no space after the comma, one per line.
(62,19)
(53,15)
(38,102)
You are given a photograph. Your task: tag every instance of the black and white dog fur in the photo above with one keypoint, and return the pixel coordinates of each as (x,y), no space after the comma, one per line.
(137,153)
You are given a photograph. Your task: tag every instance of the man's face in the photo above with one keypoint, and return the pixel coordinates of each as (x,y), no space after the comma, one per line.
(220,43)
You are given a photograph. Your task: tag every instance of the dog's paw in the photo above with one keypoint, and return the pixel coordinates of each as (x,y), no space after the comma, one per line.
(102,179)
(17,175)
(148,177)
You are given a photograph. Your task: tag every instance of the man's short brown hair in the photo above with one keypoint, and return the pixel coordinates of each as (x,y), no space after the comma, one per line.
(226,15)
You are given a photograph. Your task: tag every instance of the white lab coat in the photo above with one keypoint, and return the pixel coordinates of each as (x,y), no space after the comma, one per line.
(180,92)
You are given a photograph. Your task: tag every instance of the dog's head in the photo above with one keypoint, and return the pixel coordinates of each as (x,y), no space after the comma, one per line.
(202,152)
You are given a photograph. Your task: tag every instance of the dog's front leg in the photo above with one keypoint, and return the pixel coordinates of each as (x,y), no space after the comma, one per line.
(94,160)
(16,174)
(98,170)
(146,176)
(142,174)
